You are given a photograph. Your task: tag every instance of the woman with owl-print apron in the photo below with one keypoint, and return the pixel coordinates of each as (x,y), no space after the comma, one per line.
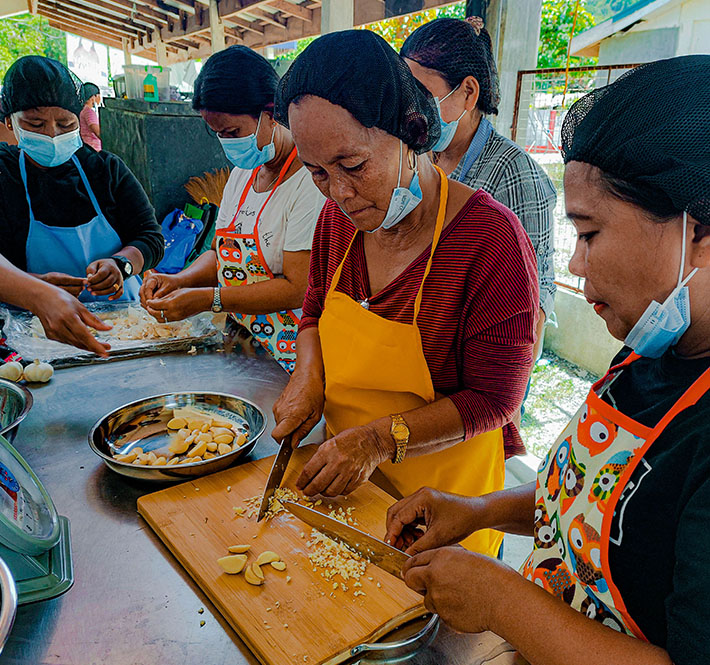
(257,269)
(620,511)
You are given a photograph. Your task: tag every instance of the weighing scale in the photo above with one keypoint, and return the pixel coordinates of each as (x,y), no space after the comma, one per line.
(34,540)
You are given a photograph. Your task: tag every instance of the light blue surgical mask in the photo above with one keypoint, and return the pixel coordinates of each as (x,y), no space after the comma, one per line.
(47,150)
(404,199)
(663,324)
(244,151)
(448,129)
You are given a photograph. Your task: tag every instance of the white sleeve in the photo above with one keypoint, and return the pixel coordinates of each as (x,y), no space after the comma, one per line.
(230,198)
(306,204)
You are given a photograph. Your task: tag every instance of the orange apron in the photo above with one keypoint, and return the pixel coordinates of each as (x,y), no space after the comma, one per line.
(375,367)
(582,487)
(240,261)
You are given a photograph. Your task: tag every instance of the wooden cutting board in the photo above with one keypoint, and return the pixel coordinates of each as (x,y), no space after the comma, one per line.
(308,622)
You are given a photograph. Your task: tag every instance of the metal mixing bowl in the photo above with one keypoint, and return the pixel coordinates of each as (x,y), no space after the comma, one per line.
(144,423)
(8,603)
(15,404)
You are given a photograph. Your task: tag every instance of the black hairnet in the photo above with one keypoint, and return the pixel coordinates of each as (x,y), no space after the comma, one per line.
(358,70)
(34,81)
(650,129)
(88,90)
(237,81)
(457,49)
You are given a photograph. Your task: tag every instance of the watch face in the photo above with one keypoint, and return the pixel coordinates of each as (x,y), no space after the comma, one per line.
(128,267)
(400,430)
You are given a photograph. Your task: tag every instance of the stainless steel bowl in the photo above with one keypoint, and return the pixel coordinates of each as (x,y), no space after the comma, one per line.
(144,423)
(8,603)
(15,404)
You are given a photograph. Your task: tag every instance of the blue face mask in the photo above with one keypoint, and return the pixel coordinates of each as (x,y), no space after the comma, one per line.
(448,129)
(663,324)
(46,150)
(404,199)
(244,151)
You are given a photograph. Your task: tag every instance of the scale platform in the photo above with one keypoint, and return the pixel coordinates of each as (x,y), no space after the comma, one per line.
(34,540)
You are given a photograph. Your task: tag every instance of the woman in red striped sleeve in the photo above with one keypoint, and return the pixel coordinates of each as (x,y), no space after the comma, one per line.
(419,318)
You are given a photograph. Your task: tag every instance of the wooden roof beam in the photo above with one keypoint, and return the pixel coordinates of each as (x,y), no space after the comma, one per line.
(246,25)
(265,17)
(47,6)
(183,5)
(127,8)
(100,13)
(288,8)
(82,31)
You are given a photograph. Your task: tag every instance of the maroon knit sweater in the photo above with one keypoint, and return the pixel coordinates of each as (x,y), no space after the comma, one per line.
(478,313)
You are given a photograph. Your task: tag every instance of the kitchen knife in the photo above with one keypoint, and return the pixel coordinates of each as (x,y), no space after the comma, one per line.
(276,475)
(381,554)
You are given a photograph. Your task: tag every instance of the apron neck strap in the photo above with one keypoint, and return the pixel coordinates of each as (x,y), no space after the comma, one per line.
(689,398)
(82,175)
(252,178)
(443,199)
(441,215)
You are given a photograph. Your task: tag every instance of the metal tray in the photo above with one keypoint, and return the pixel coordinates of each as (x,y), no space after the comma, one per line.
(20,337)
(144,423)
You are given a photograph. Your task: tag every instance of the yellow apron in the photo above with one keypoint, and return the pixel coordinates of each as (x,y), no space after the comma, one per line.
(375,367)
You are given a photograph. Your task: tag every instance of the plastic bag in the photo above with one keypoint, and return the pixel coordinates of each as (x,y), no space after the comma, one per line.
(180,233)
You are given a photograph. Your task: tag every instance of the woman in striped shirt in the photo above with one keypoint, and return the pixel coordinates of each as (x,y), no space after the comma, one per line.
(418,322)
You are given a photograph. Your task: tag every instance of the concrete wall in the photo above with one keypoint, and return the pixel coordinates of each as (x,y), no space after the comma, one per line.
(681,28)
(581,336)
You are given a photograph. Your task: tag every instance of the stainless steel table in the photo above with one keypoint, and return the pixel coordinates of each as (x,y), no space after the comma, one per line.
(132,603)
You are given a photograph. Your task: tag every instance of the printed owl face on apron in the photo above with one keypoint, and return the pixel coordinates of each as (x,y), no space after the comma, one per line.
(240,262)
(580,498)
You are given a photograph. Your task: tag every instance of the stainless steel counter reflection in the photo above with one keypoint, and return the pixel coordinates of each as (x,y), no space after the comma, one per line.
(132,603)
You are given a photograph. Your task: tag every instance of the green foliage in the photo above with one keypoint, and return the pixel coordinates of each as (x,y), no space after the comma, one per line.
(29,35)
(555,28)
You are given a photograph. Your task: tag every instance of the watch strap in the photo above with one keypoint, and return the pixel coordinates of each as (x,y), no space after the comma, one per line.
(122,262)
(217,300)
(399,430)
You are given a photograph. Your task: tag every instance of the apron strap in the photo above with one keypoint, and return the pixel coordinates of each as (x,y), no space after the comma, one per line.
(689,398)
(23,175)
(443,198)
(90,191)
(247,189)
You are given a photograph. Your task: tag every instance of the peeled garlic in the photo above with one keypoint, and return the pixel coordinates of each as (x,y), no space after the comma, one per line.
(206,437)
(253,575)
(198,450)
(241,440)
(209,456)
(161,461)
(11,371)
(223,438)
(278,565)
(224,448)
(38,372)
(267,557)
(239,549)
(173,461)
(233,564)
(128,459)
(179,446)
(222,431)
(176,423)
(211,446)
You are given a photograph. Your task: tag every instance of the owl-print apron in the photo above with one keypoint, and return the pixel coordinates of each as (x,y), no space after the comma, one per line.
(240,261)
(581,484)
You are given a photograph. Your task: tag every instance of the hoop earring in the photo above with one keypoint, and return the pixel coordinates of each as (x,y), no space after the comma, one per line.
(412,160)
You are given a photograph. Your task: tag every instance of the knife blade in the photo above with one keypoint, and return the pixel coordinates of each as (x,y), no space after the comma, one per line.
(276,475)
(381,554)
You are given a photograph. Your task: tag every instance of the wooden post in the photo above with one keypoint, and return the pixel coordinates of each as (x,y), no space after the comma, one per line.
(216,28)
(336,15)
(126,52)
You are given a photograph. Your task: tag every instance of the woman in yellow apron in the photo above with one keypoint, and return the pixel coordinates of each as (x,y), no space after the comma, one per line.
(619,513)
(408,328)
(258,266)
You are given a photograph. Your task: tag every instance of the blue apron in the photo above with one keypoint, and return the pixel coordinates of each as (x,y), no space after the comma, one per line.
(71,249)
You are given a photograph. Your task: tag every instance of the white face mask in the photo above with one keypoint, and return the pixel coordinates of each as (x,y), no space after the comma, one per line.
(448,129)
(663,324)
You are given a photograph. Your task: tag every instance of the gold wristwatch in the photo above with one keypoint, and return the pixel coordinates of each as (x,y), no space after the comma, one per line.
(400,434)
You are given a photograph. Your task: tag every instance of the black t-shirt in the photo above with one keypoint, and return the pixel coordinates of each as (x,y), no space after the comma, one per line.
(662,562)
(59,198)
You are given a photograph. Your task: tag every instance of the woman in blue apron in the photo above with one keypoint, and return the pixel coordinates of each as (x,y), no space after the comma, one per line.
(620,511)
(73,217)
(257,269)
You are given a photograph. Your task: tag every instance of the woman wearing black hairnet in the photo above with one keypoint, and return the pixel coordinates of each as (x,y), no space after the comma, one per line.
(73,217)
(418,324)
(621,509)
(454,60)
(258,267)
